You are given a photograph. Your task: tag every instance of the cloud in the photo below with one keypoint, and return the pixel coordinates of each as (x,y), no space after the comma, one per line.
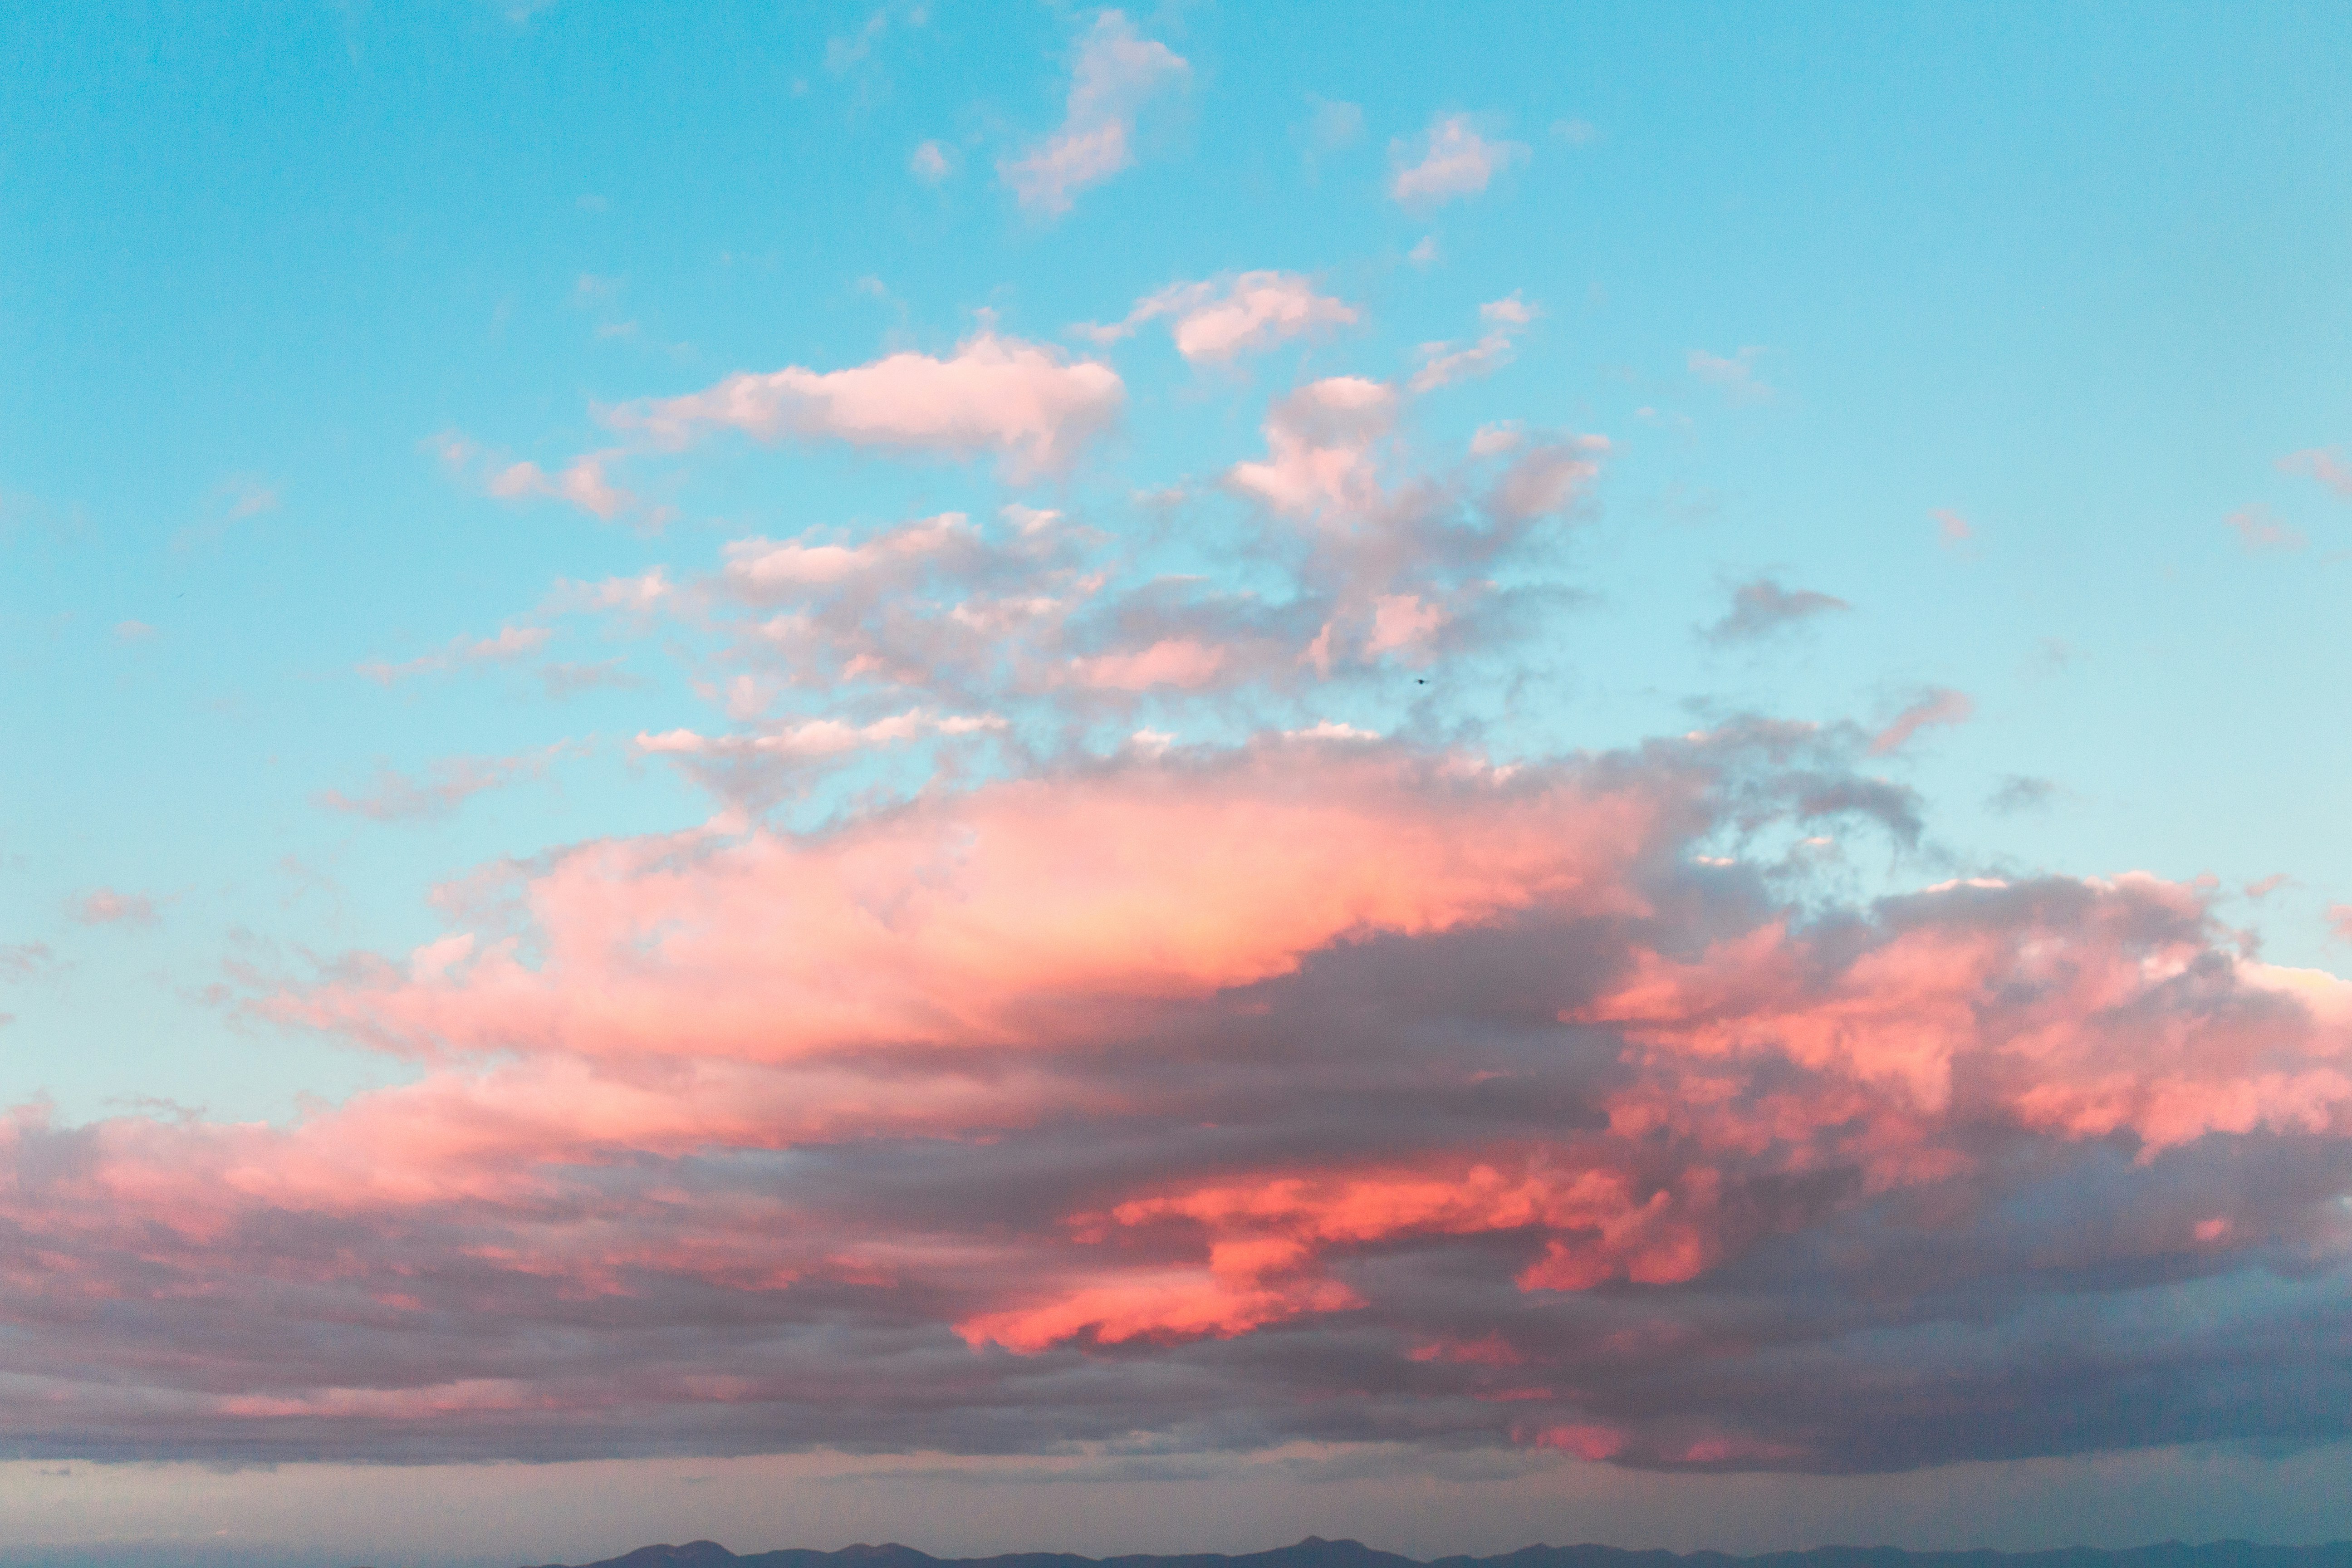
(1116,74)
(1735,376)
(104,906)
(133,632)
(1219,319)
(582,483)
(2021,793)
(1423,253)
(1762,607)
(2326,464)
(1547,477)
(930,163)
(1952,528)
(2258,531)
(25,960)
(568,680)
(447,782)
(1444,364)
(511,643)
(1029,403)
(1448,161)
(1335,126)
(1131,1098)
(1936,708)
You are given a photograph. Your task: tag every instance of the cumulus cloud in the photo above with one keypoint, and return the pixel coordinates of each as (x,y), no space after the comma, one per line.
(1219,319)
(1449,160)
(1117,72)
(1029,403)
(1761,607)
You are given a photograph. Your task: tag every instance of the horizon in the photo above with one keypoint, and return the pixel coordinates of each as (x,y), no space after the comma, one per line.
(1136,778)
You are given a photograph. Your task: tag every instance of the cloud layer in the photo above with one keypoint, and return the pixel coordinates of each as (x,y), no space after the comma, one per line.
(1321,1088)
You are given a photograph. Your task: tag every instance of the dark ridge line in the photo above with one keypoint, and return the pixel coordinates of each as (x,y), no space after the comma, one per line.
(1316,1553)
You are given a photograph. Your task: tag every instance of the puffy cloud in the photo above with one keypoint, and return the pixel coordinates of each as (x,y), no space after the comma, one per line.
(1762,607)
(1027,402)
(1936,708)
(1116,74)
(1221,320)
(106,906)
(1450,159)
(1318,446)
(1321,1089)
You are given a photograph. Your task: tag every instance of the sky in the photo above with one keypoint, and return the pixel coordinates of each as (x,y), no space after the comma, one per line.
(1030,777)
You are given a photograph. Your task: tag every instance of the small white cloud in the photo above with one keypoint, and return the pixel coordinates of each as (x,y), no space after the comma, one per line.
(1424,255)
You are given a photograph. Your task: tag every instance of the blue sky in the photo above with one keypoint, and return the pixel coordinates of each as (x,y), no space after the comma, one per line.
(1984,322)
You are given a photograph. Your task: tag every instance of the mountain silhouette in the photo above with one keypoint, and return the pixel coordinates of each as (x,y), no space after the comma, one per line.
(1316,1553)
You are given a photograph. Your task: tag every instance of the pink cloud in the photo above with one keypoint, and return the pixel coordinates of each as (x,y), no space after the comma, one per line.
(509,643)
(1319,444)
(1117,72)
(2258,531)
(582,483)
(1936,708)
(1450,159)
(104,906)
(977,1102)
(1216,322)
(1027,402)
(2326,464)
(1183,662)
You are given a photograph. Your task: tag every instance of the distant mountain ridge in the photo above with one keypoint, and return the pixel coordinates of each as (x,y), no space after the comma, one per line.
(1316,1553)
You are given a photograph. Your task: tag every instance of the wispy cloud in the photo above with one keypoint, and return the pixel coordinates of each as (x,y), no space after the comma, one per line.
(1761,607)
(1735,377)
(2326,464)
(1449,160)
(1938,707)
(1217,319)
(1116,73)
(106,906)
(509,643)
